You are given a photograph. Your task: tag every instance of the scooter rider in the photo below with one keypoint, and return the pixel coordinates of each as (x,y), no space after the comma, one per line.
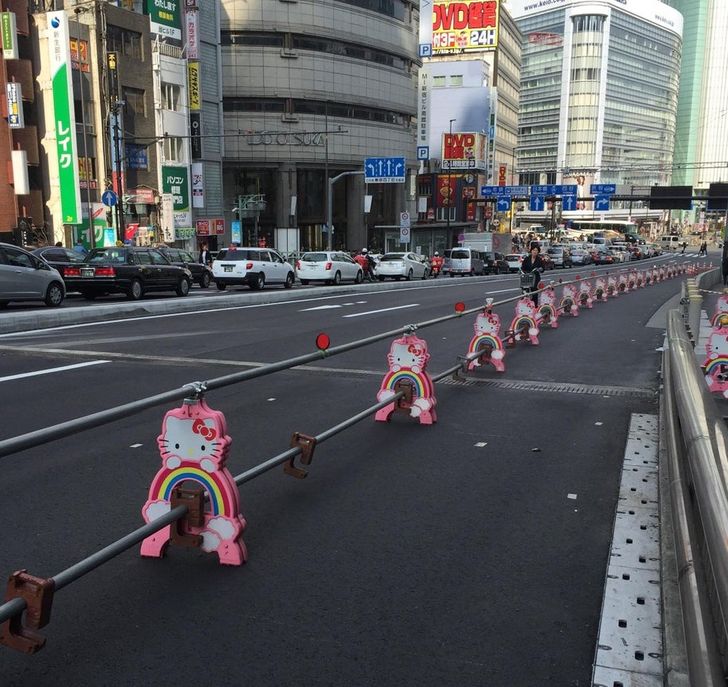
(436,263)
(533,263)
(367,264)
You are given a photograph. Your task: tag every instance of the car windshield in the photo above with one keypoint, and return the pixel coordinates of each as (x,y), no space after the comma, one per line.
(460,255)
(104,255)
(237,254)
(391,257)
(314,257)
(512,258)
(555,251)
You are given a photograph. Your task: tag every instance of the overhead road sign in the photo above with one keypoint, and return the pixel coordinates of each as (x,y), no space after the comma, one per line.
(497,191)
(671,198)
(603,189)
(568,202)
(503,204)
(554,190)
(717,198)
(384,170)
(537,203)
(601,203)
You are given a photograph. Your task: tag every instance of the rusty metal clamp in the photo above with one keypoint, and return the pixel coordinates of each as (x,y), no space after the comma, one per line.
(194,500)
(37,592)
(307,444)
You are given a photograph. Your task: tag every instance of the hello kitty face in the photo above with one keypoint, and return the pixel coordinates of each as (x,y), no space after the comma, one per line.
(487,323)
(524,307)
(585,287)
(717,345)
(722,304)
(600,283)
(569,291)
(191,439)
(548,296)
(409,353)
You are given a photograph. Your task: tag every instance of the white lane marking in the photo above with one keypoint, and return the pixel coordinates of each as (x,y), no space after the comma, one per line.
(52,370)
(488,293)
(321,307)
(571,496)
(481,444)
(135,446)
(374,312)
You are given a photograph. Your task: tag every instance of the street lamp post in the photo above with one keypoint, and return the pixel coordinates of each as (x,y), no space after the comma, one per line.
(449,182)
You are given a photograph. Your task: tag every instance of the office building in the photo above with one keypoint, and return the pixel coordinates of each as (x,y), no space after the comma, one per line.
(701,141)
(599,91)
(311,89)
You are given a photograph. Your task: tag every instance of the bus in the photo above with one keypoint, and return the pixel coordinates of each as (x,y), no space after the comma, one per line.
(588,226)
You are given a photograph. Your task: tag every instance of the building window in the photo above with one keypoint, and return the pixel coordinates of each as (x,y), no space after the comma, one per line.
(171,97)
(456,80)
(124,42)
(438,82)
(135,102)
(174,149)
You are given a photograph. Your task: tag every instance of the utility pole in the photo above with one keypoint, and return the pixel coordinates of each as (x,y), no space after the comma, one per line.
(120,225)
(450,194)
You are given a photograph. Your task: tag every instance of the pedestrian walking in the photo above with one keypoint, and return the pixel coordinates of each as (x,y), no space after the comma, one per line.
(80,248)
(684,246)
(205,257)
(703,249)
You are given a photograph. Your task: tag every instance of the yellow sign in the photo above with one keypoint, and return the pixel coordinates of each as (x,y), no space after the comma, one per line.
(193,80)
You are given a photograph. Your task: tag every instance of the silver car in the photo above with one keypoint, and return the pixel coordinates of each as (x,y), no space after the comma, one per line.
(26,277)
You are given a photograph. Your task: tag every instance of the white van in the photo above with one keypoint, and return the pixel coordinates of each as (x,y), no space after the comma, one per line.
(671,242)
(463,261)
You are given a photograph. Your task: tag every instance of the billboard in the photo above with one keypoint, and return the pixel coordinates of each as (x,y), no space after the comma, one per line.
(64,118)
(14,95)
(165,18)
(464,26)
(193,80)
(463,151)
(176,183)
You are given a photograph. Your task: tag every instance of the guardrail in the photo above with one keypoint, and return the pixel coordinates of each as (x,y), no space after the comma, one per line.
(34,595)
(696,442)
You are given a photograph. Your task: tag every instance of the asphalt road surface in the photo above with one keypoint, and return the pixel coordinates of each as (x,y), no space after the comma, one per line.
(472,552)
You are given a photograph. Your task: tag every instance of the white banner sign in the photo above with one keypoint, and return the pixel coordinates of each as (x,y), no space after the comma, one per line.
(198,186)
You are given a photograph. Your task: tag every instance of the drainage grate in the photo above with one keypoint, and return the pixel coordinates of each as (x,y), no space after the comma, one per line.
(629,649)
(554,387)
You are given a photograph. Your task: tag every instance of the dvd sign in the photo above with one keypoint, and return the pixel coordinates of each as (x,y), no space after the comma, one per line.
(459,27)
(463,151)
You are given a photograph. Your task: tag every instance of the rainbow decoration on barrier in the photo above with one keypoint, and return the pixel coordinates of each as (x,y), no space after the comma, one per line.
(421,382)
(193,446)
(714,365)
(483,340)
(525,320)
(222,501)
(407,358)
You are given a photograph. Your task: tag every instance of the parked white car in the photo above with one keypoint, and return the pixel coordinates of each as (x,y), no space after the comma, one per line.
(514,261)
(254,267)
(401,265)
(26,277)
(332,267)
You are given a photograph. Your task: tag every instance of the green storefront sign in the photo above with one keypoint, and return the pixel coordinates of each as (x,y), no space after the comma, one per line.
(165,17)
(176,182)
(64,117)
(10,45)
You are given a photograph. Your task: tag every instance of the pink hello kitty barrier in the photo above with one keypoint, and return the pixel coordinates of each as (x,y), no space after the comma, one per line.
(586,294)
(548,314)
(524,326)
(407,359)
(569,300)
(720,315)
(600,289)
(486,340)
(194,446)
(716,363)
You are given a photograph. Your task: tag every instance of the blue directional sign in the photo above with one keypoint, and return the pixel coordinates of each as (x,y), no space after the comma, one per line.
(568,190)
(568,202)
(423,152)
(601,203)
(503,204)
(603,189)
(497,191)
(537,203)
(384,170)
(109,198)
(548,190)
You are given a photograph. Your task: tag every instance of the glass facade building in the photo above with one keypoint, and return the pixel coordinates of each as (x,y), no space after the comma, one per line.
(701,143)
(599,91)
